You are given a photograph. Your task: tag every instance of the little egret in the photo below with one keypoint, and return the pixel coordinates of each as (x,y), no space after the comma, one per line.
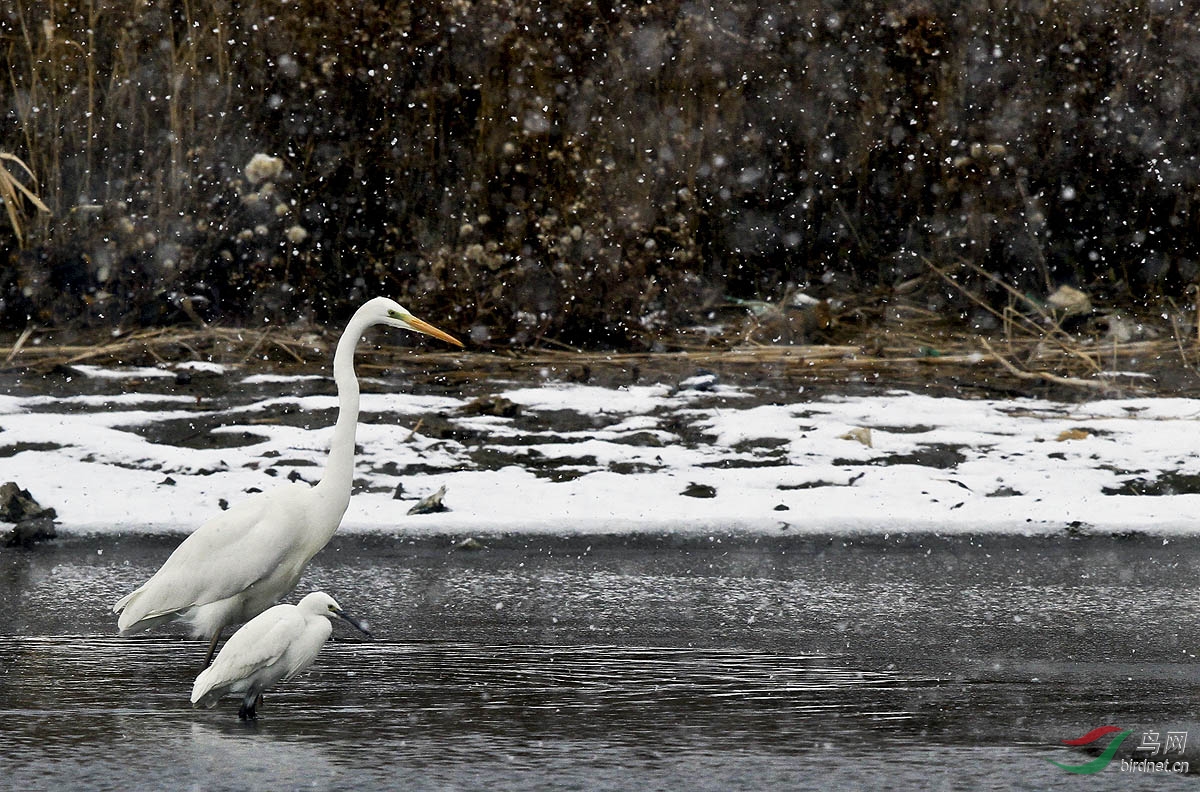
(244,560)
(274,646)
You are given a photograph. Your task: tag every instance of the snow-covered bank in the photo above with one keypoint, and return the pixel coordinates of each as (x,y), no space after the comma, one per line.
(583,458)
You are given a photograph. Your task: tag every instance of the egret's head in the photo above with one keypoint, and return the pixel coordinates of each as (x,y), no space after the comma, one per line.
(391,313)
(321,603)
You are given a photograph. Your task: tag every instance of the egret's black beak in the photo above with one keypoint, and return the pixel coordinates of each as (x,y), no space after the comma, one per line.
(355,623)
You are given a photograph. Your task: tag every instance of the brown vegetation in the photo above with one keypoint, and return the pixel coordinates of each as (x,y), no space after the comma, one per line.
(596,174)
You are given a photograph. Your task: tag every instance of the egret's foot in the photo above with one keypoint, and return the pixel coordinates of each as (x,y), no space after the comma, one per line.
(249,710)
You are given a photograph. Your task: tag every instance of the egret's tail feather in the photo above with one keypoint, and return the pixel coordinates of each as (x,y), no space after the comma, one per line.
(121,603)
(129,613)
(134,614)
(204,694)
(127,617)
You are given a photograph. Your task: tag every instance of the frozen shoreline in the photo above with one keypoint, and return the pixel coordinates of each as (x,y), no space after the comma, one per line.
(594,460)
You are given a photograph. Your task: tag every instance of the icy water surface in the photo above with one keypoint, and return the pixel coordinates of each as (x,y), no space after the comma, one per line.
(719,662)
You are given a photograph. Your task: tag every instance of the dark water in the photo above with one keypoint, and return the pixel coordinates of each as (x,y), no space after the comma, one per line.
(627,663)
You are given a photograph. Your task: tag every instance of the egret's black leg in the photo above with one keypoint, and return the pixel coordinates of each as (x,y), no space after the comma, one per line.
(212,648)
(247,710)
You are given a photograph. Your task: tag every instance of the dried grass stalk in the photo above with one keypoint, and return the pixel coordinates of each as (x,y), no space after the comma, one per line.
(11,192)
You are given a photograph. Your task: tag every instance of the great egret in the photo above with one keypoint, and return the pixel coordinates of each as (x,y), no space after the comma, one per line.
(244,560)
(275,645)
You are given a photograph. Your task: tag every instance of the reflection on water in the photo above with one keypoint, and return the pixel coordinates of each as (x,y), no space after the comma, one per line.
(632,695)
(106,712)
(621,664)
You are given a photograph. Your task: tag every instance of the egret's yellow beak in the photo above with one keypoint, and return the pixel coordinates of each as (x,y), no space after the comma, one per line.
(421,326)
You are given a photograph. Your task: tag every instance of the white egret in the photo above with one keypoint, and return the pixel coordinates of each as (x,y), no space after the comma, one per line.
(244,560)
(274,646)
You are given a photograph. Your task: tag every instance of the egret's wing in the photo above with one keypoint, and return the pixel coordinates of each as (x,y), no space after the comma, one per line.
(305,647)
(221,558)
(258,645)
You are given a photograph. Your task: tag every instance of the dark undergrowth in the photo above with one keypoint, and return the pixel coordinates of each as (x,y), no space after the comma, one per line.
(590,172)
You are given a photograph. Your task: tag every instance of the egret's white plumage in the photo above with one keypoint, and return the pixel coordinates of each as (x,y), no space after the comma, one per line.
(274,646)
(245,559)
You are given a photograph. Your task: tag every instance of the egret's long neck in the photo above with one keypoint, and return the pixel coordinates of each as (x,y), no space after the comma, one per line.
(339,470)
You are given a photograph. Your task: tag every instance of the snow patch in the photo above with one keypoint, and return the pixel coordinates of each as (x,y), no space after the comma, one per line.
(893,462)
